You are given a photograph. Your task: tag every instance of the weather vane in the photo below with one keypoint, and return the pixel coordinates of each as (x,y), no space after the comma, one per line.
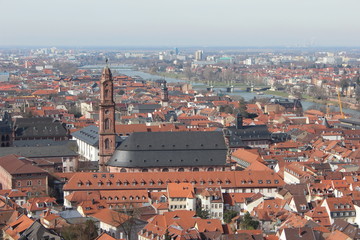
(107,60)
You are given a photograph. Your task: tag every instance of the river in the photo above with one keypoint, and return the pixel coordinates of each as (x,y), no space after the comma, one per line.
(237,92)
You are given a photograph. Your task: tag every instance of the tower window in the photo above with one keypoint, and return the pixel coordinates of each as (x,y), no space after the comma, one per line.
(107,143)
(106,93)
(107,124)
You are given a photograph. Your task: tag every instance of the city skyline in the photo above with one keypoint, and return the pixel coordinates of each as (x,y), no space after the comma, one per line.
(169,23)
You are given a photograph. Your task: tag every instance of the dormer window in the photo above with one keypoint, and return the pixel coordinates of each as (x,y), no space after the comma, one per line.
(260,181)
(268,181)
(276,181)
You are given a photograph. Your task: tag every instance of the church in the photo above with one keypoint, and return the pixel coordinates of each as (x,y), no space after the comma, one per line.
(155,151)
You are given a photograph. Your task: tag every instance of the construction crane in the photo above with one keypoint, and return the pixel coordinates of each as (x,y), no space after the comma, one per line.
(340,104)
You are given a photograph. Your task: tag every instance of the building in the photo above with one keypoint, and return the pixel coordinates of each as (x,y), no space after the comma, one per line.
(262,182)
(39,129)
(240,136)
(118,225)
(199,55)
(181,196)
(20,173)
(211,200)
(340,208)
(6,136)
(170,152)
(87,140)
(4,76)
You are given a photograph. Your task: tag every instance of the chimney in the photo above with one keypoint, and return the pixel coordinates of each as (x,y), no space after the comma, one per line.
(239,121)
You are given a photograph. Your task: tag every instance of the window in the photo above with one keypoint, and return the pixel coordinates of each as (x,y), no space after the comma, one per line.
(260,181)
(107,143)
(107,124)
(29,183)
(39,182)
(18,183)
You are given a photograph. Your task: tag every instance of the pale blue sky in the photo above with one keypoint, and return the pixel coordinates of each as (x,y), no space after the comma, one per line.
(179,23)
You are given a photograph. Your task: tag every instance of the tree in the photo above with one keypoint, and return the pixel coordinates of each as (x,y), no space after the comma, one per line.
(242,107)
(188,73)
(248,223)
(202,213)
(84,231)
(226,109)
(229,214)
(167,235)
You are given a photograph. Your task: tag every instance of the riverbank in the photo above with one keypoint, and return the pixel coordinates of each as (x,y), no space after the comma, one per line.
(304,97)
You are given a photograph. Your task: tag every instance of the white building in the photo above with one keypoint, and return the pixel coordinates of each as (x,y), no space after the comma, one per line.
(87,140)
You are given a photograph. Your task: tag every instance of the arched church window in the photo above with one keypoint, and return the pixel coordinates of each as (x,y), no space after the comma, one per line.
(107,124)
(107,143)
(106,93)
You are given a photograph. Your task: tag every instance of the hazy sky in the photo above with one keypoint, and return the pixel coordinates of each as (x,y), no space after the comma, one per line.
(179,23)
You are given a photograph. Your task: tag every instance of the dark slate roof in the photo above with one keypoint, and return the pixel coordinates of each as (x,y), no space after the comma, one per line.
(89,135)
(147,106)
(41,143)
(34,152)
(38,127)
(38,231)
(353,121)
(247,133)
(167,149)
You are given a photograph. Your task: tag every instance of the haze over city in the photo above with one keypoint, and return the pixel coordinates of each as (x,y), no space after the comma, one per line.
(180,120)
(180,23)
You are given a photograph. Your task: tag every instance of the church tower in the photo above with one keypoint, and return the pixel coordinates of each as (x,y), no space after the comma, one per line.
(107,135)
(164,95)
